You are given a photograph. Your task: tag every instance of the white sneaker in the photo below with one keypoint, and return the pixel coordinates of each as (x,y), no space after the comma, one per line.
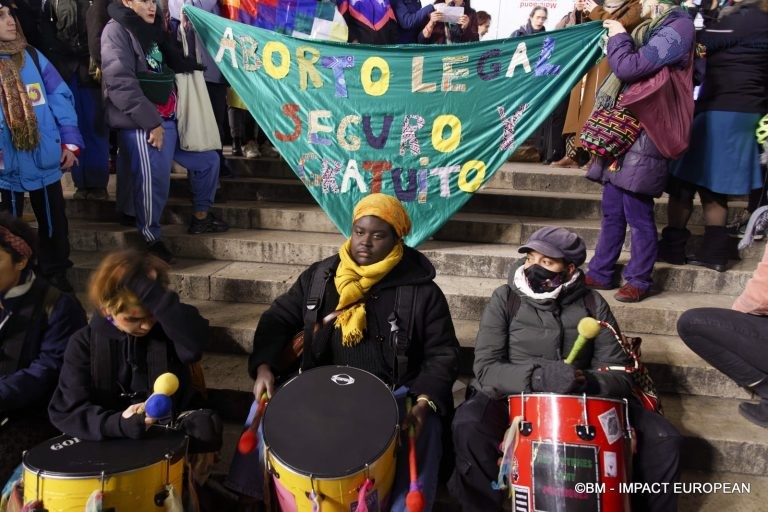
(251,150)
(268,150)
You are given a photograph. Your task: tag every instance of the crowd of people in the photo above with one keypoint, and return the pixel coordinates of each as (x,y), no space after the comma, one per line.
(101,74)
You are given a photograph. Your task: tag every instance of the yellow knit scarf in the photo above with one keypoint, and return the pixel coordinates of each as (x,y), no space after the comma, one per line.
(353,282)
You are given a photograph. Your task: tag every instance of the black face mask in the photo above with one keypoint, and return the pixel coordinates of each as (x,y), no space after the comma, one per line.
(542,280)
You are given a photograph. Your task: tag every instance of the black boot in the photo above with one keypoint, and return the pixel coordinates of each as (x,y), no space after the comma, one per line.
(756,413)
(672,245)
(237,146)
(713,251)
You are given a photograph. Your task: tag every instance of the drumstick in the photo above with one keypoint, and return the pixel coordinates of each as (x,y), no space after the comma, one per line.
(588,329)
(414,500)
(248,439)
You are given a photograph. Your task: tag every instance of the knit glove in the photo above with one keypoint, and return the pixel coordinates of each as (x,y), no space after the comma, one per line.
(554,377)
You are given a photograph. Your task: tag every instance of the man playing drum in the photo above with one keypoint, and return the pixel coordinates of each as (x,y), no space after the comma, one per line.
(520,349)
(372,271)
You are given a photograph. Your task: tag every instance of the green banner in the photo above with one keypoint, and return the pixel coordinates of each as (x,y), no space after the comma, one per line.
(427,124)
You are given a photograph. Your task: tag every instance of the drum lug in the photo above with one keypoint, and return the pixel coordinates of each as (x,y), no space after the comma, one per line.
(586,432)
(526,427)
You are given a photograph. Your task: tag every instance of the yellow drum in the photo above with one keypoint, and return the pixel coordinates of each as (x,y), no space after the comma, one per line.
(64,471)
(327,433)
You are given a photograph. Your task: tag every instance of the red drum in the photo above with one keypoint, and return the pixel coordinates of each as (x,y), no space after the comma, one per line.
(571,453)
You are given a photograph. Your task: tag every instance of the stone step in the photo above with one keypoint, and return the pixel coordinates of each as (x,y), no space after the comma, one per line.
(261,283)
(559,205)
(449,258)
(716,437)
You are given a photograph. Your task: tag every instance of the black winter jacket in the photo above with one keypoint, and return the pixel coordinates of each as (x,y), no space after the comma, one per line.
(433,350)
(507,350)
(83,408)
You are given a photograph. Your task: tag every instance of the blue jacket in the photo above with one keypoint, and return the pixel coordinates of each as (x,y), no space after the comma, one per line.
(411,17)
(29,388)
(643,169)
(56,121)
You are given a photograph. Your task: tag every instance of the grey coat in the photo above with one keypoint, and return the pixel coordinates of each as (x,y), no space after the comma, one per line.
(125,104)
(507,350)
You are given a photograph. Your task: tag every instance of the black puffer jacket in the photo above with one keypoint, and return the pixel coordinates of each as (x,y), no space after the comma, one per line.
(433,349)
(507,350)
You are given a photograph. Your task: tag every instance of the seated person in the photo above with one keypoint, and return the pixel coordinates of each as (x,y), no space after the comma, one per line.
(363,281)
(139,331)
(735,341)
(36,320)
(525,353)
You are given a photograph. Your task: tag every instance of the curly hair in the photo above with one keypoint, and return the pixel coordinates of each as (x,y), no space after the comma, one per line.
(107,290)
(24,231)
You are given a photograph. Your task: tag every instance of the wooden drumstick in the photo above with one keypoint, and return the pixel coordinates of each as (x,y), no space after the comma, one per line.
(248,439)
(414,500)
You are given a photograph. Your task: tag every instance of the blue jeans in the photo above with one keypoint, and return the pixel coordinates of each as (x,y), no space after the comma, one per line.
(246,474)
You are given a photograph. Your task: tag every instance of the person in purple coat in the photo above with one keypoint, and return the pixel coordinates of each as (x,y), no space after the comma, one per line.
(635,178)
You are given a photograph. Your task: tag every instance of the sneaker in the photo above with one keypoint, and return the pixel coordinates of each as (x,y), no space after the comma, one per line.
(629,293)
(251,150)
(59,280)
(98,193)
(158,248)
(589,282)
(210,224)
(268,150)
(756,413)
(81,193)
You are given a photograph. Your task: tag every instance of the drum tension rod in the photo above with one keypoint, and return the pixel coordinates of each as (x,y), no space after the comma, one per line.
(525,427)
(585,431)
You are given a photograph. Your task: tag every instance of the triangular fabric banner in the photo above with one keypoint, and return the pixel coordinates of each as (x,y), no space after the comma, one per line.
(427,124)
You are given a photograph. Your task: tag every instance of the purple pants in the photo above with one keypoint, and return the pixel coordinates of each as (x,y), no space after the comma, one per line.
(622,208)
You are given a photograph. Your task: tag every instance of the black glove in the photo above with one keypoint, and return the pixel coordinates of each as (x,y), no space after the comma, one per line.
(204,428)
(554,377)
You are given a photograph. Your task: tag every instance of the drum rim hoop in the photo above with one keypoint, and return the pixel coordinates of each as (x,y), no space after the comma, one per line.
(560,395)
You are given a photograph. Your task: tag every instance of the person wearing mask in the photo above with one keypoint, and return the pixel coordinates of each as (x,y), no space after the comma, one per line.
(522,350)
(36,321)
(40,139)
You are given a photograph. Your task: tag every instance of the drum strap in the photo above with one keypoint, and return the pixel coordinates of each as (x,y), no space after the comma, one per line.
(27,323)
(314,303)
(401,327)
(104,365)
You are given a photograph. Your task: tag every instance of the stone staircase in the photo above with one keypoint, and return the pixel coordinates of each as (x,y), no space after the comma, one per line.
(277,230)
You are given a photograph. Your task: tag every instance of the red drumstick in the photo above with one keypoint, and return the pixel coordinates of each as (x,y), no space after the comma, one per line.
(414,500)
(248,439)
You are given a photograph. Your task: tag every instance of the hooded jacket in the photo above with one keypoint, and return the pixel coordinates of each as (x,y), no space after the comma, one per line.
(507,349)
(84,407)
(433,349)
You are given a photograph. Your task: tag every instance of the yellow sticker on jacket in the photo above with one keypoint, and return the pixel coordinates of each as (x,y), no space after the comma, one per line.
(35,93)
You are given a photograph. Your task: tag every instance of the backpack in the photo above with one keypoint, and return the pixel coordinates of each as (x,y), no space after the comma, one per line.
(401,322)
(644,388)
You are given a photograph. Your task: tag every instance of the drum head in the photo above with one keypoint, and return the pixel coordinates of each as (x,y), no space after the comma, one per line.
(330,421)
(65,456)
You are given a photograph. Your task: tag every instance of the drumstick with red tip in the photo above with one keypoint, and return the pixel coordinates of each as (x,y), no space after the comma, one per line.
(414,500)
(588,328)
(248,439)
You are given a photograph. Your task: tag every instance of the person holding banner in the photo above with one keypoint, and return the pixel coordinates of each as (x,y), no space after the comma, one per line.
(411,17)
(138,64)
(631,181)
(527,328)
(442,29)
(582,100)
(364,285)
(535,23)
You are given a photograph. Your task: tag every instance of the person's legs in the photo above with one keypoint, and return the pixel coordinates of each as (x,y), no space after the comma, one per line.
(53,234)
(657,459)
(150,171)
(92,172)
(674,237)
(478,428)
(613,230)
(713,251)
(638,209)
(12,202)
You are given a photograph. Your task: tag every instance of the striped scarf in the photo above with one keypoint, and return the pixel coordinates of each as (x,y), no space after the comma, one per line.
(17,109)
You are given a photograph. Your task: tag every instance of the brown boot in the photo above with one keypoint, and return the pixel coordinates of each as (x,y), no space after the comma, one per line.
(566,162)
